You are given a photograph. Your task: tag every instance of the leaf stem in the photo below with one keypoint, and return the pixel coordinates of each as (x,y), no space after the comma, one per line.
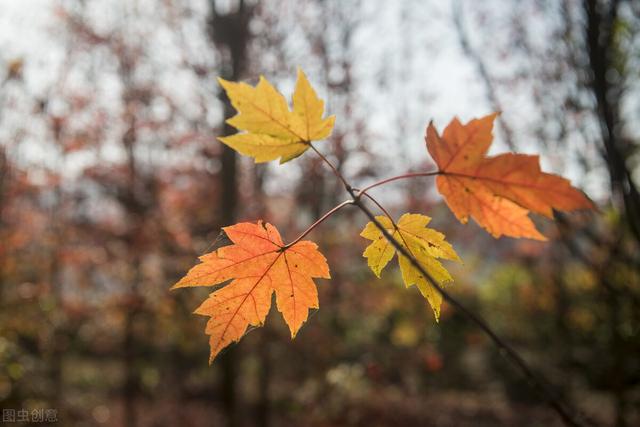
(336,172)
(318,222)
(395,178)
(370,197)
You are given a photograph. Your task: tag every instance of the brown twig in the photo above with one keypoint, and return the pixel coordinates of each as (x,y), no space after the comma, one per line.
(484,73)
(509,353)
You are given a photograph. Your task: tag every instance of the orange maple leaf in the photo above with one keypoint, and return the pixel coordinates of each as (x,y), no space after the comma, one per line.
(258,263)
(497,192)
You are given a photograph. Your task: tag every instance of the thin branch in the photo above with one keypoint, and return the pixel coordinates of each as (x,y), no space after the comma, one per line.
(482,70)
(318,222)
(564,228)
(509,353)
(370,197)
(567,415)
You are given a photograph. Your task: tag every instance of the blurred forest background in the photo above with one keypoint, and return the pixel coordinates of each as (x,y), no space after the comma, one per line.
(112,183)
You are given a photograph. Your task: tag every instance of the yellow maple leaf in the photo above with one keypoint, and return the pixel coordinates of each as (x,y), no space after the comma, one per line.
(271,129)
(425,244)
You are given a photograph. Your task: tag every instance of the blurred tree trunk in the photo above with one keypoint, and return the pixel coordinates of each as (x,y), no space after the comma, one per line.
(605,57)
(57,316)
(601,19)
(4,175)
(263,413)
(4,178)
(132,302)
(136,201)
(230,33)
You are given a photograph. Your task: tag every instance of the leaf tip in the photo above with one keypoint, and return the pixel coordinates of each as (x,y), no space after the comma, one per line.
(540,237)
(431,128)
(331,121)
(377,271)
(224,83)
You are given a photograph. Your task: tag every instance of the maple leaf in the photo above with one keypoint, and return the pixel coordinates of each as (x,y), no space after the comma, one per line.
(258,264)
(425,244)
(272,130)
(497,192)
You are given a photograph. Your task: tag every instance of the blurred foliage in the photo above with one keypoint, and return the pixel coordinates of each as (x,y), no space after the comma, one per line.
(111,184)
